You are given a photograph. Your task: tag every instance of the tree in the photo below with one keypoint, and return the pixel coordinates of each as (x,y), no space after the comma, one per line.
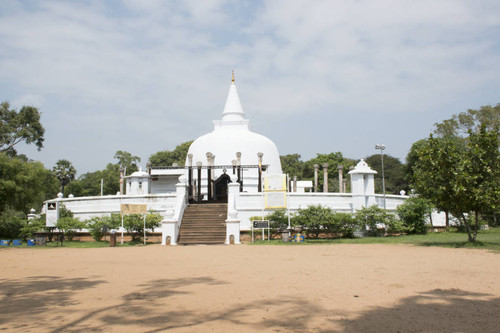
(414,213)
(64,172)
(167,158)
(292,165)
(24,184)
(375,218)
(16,127)
(333,160)
(461,176)
(126,160)
(459,125)
(89,184)
(394,172)
(134,223)
(11,223)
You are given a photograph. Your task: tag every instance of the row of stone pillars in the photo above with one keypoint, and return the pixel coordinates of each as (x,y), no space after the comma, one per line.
(342,182)
(195,192)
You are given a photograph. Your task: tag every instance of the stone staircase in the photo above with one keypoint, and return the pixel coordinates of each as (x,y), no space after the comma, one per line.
(203,224)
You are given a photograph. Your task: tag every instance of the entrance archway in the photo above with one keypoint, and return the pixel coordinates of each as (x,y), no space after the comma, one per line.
(220,187)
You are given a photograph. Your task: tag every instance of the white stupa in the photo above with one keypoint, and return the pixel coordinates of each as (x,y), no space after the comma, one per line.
(231,135)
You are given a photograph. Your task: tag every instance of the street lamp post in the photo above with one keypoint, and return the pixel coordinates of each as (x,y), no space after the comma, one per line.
(382,147)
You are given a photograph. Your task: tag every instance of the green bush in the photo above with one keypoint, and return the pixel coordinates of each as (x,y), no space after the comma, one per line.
(375,218)
(70,226)
(96,225)
(414,213)
(278,220)
(345,225)
(33,226)
(134,223)
(314,220)
(11,223)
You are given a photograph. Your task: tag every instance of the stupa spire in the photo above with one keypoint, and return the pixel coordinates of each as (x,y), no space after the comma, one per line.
(233,111)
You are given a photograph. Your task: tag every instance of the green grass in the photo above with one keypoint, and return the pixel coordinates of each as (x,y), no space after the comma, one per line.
(486,239)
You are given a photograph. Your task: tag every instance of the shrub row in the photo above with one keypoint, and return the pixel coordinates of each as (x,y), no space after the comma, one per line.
(16,226)
(411,217)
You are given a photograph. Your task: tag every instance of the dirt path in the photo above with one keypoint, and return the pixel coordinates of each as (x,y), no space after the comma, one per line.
(344,288)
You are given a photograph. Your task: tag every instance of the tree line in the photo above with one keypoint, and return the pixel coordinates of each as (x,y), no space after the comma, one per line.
(456,168)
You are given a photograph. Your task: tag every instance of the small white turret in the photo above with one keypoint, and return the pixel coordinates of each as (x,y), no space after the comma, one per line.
(138,183)
(363,185)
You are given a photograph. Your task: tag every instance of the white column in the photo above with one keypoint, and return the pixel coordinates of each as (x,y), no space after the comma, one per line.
(232,221)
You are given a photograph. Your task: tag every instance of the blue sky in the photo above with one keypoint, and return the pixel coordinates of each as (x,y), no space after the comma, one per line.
(314,76)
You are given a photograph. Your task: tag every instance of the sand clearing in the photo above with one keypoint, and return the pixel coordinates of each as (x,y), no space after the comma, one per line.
(352,288)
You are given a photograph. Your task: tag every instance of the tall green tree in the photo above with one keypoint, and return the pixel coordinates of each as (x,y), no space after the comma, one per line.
(126,160)
(459,125)
(292,165)
(64,172)
(394,173)
(89,184)
(24,184)
(16,127)
(461,176)
(167,158)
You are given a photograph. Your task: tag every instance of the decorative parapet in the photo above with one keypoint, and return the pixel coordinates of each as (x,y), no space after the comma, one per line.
(173,218)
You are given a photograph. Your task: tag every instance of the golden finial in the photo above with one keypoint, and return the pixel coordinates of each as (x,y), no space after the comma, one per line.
(233,78)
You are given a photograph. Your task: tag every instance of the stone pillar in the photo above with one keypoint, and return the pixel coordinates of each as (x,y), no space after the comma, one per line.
(294,183)
(190,176)
(316,168)
(325,177)
(209,176)
(238,162)
(232,221)
(198,165)
(341,181)
(259,185)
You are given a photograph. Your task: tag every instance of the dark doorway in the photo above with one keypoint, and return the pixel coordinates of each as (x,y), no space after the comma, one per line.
(220,186)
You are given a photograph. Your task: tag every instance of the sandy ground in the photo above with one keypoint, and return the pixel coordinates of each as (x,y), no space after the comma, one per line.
(323,288)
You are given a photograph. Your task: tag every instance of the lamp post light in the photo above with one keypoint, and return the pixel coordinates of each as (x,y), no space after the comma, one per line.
(382,147)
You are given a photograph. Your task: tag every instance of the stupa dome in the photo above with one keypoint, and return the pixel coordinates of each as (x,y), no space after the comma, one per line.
(231,135)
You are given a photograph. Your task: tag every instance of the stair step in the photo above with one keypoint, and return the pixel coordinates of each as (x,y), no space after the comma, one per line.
(203,224)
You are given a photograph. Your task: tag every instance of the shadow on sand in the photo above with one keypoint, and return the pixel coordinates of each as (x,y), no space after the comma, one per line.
(29,298)
(152,307)
(450,310)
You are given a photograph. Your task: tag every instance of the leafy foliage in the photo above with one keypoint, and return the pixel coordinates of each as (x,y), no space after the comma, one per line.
(292,165)
(394,172)
(11,223)
(24,184)
(134,223)
(278,221)
(16,127)
(64,172)
(459,125)
(33,226)
(70,226)
(461,176)
(97,225)
(126,160)
(313,220)
(414,214)
(344,224)
(375,219)
(167,158)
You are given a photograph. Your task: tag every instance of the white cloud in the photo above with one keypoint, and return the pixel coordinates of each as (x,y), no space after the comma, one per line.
(148,75)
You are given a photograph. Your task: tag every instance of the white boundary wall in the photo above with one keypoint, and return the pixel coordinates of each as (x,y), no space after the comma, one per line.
(251,204)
